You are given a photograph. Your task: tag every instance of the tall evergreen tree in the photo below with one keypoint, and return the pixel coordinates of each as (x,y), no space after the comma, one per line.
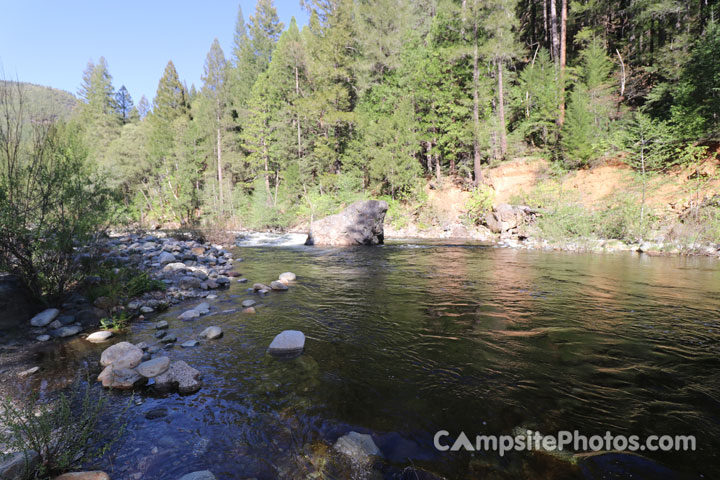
(215,92)
(124,106)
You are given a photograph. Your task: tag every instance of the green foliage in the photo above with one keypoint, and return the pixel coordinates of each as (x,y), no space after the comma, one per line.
(117,321)
(480,202)
(50,201)
(122,283)
(72,429)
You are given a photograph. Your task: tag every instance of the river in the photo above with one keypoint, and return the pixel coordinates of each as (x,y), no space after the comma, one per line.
(407,339)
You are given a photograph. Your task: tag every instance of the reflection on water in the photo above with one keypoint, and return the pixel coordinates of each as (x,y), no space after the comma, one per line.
(404,341)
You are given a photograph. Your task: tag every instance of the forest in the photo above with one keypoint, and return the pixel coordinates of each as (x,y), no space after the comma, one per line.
(377,98)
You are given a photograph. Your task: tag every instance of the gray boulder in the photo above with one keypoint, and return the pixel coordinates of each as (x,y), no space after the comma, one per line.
(278,285)
(121,355)
(505,217)
(359,224)
(153,368)
(45,318)
(67,331)
(180,375)
(287,342)
(165,258)
(211,333)
(120,378)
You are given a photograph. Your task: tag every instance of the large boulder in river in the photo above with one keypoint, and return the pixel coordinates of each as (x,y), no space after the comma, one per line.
(359,224)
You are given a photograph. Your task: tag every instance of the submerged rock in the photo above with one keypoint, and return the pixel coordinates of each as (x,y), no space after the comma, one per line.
(211,333)
(287,277)
(45,317)
(161,325)
(278,285)
(357,446)
(190,344)
(201,475)
(359,224)
(248,303)
(287,342)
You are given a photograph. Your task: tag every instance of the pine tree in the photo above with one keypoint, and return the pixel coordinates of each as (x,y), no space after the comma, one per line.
(124,106)
(143,107)
(98,109)
(171,99)
(215,92)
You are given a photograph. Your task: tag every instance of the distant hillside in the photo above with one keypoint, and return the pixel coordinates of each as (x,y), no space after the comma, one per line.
(46,102)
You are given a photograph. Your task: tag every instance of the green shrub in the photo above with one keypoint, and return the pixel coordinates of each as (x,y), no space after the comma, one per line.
(50,200)
(65,432)
(480,202)
(122,282)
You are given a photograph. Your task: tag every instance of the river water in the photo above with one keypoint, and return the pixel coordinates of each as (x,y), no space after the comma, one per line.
(408,338)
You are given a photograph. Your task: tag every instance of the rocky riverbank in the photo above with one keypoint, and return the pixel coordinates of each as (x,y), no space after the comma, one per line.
(508,226)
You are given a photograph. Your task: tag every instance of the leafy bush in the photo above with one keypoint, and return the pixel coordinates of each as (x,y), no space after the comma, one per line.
(65,432)
(115,322)
(480,202)
(122,282)
(50,201)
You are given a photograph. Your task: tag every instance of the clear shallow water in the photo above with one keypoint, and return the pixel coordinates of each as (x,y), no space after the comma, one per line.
(407,339)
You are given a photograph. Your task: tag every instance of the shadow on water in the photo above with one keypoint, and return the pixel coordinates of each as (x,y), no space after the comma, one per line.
(404,340)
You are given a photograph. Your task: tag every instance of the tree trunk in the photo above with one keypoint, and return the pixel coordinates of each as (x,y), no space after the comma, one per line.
(563,59)
(219,159)
(545,22)
(476,107)
(267,173)
(554,33)
(297,96)
(501,109)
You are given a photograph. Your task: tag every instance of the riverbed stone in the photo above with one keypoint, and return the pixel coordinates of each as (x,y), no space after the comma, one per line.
(180,375)
(260,286)
(96,475)
(19,465)
(287,277)
(161,325)
(200,475)
(357,446)
(211,333)
(153,368)
(190,344)
(202,308)
(188,282)
(248,303)
(278,285)
(121,355)
(67,331)
(45,317)
(171,338)
(165,258)
(28,372)
(249,310)
(120,378)
(287,342)
(42,338)
(99,337)
(189,314)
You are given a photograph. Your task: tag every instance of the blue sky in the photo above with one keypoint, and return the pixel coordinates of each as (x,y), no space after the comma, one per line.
(50,42)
